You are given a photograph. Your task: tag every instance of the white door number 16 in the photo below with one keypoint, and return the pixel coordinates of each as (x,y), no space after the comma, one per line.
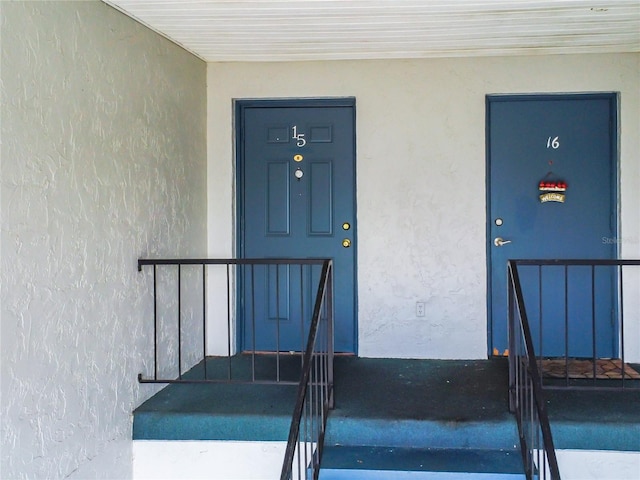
(553,142)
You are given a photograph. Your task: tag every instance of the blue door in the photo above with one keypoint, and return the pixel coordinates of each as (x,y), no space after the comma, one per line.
(297,200)
(552,195)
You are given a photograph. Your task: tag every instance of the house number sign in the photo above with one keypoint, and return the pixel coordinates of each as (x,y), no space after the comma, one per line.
(299,137)
(553,142)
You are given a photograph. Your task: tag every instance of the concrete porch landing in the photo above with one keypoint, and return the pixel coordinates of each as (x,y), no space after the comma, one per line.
(393,403)
(375,398)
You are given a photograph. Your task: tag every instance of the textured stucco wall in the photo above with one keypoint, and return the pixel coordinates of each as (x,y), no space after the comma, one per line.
(421,179)
(103,161)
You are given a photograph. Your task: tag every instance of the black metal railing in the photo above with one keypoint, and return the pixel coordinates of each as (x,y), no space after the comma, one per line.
(315,392)
(526,399)
(204,308)
(577,311)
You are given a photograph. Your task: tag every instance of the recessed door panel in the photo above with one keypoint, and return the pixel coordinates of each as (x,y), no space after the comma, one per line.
(277,198)
(320,199)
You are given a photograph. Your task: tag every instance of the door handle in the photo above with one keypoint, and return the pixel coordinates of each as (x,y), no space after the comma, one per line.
(346,243)
(499,241)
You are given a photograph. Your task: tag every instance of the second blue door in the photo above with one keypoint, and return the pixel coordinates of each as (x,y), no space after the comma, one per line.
(297,200)
(552,195)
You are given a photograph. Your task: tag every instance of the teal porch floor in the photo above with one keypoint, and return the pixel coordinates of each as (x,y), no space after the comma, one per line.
(421,403)
(392,403)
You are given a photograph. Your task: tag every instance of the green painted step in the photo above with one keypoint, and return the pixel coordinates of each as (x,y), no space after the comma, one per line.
(360,462)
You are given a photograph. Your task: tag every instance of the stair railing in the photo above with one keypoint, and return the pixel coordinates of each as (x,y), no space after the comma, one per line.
(189,295)
(599,295)
(315,393)
(526,399)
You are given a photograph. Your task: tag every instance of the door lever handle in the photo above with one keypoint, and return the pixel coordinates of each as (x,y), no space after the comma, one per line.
(499,241)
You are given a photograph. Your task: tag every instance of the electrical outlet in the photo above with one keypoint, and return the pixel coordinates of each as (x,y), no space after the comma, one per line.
(419,309)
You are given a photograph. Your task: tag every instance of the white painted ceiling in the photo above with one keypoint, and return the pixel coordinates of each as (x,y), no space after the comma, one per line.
(284,30)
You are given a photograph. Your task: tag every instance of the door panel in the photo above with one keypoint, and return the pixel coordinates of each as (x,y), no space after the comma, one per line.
(277,195)
(320,199)
(296,189)
(553,139)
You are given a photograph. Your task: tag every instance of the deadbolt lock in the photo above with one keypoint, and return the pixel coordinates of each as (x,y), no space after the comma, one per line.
(346,226)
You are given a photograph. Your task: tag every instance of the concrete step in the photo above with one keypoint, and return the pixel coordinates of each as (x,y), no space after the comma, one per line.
(378,463)
(421,404)
(407,433)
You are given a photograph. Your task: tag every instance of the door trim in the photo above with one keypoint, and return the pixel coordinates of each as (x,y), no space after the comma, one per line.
(614,132)
(239,107)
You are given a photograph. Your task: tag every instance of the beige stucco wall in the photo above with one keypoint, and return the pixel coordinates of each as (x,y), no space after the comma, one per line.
(103,161)
(421,179)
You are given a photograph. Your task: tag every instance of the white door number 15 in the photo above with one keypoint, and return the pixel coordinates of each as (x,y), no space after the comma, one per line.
(299,137)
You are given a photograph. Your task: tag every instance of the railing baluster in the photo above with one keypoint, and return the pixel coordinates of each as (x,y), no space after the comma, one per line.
(594,332)
(566,324)
(621,322)
(306,434)
(204,319)
(330,326)
(229,304)
(179,321)
(512,347)
(155,324)
(541,458)
(532,421)
(302,313)
(540,306)
(253,323)
(278,321)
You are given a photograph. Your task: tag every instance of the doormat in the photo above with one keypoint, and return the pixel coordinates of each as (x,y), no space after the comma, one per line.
(605,368)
